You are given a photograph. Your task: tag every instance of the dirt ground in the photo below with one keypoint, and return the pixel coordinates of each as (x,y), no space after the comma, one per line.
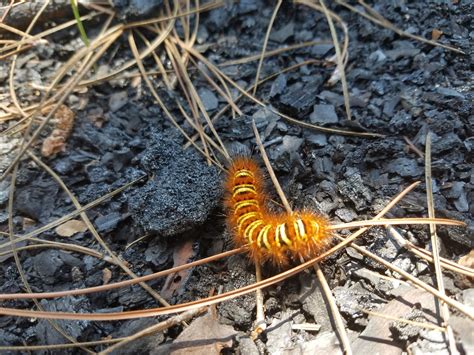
(400,89)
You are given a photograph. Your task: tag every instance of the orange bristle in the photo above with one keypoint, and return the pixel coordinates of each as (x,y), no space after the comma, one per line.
(269,236)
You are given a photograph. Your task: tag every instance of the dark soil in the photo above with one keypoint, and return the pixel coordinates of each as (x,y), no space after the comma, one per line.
(399,88)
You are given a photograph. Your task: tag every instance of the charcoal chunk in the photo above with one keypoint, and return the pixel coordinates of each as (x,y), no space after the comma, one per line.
(181,192)
(405,167)
(37,201)
(299,97)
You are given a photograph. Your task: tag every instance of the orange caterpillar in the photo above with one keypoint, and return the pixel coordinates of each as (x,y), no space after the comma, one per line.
(275,237)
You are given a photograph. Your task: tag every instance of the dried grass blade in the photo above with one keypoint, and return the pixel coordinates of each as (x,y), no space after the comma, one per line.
(62,95)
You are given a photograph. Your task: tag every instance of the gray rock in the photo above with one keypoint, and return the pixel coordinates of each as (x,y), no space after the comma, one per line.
(283,33)
(313,301)
(463,329)
(448,92)
(366,274)
(291,144)
(317,139)
(406,331)
(324,343)
(131,9)
(405,167)
(353,188)
(462,204)
(47,334)
(323,114)
(208,98)
(430,342)
(247,346)
(48,263)
(143,345)
(346,214)
(108,222)
(279,332)
(468,297)
(118,100)
(456,190)
(351,299)
(301,97)
(403,49)
(37,200)
(390,104)
(278,85)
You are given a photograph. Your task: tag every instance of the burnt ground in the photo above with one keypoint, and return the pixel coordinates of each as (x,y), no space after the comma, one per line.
(398,86)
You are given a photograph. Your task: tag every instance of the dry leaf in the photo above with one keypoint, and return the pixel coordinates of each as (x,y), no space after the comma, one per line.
(106,276)
(96,116)
(56,141)
(204,336)
(175,282)
(379,328)
(461,280)
(436,34)
(71,227)
(28,222)
(467,260)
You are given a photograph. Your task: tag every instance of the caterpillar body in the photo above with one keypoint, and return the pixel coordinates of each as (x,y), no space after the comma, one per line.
(269,236)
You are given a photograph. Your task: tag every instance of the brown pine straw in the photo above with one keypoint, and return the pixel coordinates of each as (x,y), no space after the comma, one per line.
(265,43)
(468,311)
(178,268)
(166,324)
(435,250)
(406,321)
(292,120)
(71,215)
(11,227)
(339,56)
(376,18)
(341,330)
(61,95)
(433,257)
(424,254)
(219,298)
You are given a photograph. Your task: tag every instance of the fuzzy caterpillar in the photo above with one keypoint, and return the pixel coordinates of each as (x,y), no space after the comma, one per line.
(275,237)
